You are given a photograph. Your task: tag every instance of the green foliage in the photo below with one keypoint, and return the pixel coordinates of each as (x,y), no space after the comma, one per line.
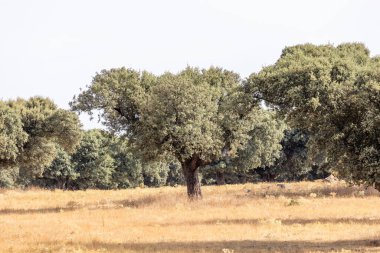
(155,173)
(117,94)
(45,126)
(194,112)
(164,128)
(104,161)
(264,144)
(29,132)
(12,136)
(294,160)
(262,149)
(93,162)
(197,116)
(333,94)
(128,169)
(8,177)
(60,174)
(291,162)
(175,175)
(295,163)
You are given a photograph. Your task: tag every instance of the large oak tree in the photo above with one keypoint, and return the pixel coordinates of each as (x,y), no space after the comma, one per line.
(332,93)
(197,116)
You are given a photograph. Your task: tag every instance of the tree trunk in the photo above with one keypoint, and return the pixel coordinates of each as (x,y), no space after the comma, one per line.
(61,184)
(376,186)
(220,180)
(190,171)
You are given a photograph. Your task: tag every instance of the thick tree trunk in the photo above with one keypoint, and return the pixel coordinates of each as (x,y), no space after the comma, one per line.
(190,171)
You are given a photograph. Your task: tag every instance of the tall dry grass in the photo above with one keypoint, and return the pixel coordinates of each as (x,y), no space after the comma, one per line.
(294,217)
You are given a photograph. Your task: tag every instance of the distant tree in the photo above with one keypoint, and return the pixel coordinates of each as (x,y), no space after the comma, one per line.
(196,116)
(93,162)
(295,163)
(264,146)
(128,168)
(30,130)
(262,149)
(333,94)
(175,175)
(155,173)
(60,174)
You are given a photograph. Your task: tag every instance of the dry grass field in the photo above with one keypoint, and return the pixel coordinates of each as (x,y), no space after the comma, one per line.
(294,217)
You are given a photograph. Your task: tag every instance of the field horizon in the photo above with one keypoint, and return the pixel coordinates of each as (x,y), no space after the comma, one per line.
(264,217)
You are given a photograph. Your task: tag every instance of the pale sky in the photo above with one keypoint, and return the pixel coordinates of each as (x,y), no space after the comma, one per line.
(53,48)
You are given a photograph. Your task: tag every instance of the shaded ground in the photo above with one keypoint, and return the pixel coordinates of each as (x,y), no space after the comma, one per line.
(233,246)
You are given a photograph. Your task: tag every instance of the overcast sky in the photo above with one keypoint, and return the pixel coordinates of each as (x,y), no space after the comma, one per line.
(53,48)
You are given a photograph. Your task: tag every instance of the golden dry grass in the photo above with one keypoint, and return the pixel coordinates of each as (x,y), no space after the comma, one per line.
(295,217)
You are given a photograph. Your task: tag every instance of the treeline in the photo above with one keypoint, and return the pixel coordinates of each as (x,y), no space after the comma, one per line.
(316,110)
(103,160)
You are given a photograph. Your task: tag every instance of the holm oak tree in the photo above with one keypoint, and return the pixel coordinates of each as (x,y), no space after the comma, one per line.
(333,94)
(197,116)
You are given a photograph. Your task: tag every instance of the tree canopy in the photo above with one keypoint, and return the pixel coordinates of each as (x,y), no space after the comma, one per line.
(30,130)
(197,116)
(314,111)
(333,94)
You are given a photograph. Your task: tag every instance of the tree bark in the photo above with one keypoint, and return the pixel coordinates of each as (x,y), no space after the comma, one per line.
(190,171)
